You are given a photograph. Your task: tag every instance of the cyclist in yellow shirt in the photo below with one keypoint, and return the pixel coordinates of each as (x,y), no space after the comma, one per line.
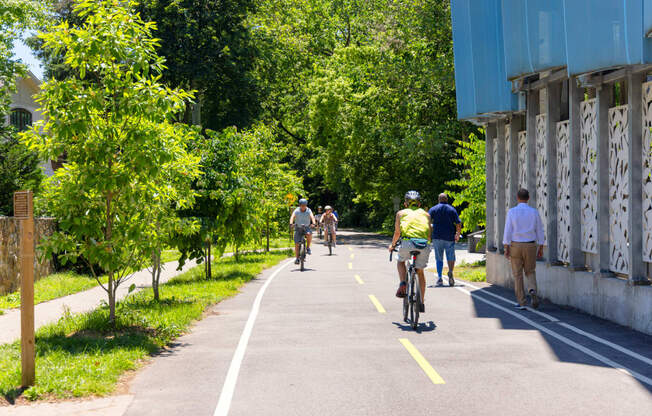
(413,228)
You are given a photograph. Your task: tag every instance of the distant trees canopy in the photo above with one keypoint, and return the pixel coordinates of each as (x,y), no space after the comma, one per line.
(363,94)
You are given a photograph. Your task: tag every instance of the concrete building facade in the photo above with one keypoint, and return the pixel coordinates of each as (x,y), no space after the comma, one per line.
(565,94)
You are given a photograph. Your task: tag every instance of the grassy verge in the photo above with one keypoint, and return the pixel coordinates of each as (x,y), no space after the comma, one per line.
(51,287)
(476,272)
(278,242)
(82,356)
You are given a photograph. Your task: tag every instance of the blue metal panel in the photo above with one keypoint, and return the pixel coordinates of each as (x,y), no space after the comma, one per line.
(481,83)
(534,36)
(608,33)
(647,18)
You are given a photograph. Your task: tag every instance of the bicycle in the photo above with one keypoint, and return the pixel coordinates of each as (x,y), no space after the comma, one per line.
(302,245)
(329,238)
(412,299)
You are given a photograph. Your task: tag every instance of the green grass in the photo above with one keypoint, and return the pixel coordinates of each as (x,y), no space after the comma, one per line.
(81,355)
(475,272)
(51,287)
(277,242)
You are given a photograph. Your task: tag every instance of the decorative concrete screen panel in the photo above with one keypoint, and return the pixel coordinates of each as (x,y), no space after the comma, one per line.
(522,161)
(542,167)
(563,192)
(618,189)
(496,232)
(589,177)
(508,162)
(647,172)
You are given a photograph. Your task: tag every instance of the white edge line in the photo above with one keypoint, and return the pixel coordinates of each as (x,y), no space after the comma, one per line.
(224,403)
(563,339)
(551,318)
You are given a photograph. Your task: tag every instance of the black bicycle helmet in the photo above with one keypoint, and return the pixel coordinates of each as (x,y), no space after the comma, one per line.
(412,197)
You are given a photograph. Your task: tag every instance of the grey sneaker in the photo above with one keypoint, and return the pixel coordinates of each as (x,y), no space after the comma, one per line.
(296,261)
(535,299)
(451,279)
(440,282)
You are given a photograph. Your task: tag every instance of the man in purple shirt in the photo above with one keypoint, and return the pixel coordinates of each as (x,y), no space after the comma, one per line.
(523,241)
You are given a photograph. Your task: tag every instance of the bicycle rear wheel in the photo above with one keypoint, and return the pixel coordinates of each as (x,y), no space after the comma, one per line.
(417,304)
(411,296)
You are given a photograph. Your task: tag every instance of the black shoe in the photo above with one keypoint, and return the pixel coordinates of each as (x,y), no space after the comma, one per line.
(520,307)
(422,308)
(451,279)
(535,299)
(296,261)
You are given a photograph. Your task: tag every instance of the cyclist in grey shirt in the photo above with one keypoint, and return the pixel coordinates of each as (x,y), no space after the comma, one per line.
(302,216)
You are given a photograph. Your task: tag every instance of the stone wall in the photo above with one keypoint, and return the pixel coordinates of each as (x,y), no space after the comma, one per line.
(10,252)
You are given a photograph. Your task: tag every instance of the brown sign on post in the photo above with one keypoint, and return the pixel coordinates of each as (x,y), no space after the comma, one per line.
(24,210)
(23,204)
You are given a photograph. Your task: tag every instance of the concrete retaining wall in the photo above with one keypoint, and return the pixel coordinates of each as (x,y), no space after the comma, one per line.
(10,252)
(606,297)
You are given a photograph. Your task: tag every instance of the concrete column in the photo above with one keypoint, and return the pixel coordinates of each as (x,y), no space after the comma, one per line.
(553,92)
(638,272)
(576,95)
(515,127)
(604,97)
(532,110)
(490,134)
(502,184)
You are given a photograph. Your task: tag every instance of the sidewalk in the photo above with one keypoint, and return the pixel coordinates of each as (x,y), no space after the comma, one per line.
(51,311)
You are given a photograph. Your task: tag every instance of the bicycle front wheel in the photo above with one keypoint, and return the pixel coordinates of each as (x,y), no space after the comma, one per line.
(303,256)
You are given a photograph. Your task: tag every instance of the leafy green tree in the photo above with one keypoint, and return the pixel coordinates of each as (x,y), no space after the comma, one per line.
(363,93)
(469,189)
(208,48)
(19,167)
(268,182)
(172,193)
(16,16)
(115,121)
(19,170)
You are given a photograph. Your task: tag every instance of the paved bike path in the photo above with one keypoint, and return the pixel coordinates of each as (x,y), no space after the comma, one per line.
(320,346)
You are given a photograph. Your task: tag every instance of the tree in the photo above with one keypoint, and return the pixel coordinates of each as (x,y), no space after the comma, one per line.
(208,48)
(19,167)
(469,189)
(364,95)
(270,179)
(115,122)
(19,170)
(16,16)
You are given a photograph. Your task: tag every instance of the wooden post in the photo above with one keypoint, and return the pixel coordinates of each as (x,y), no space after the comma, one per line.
(24,211)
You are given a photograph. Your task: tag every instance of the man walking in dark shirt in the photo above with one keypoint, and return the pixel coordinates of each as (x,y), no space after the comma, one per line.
(446,229)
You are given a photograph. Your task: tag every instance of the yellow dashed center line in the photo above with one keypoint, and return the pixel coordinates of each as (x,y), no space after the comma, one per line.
(352,256)
(423,363)
(359,279)
(350,248)
(350,266)
(377,304)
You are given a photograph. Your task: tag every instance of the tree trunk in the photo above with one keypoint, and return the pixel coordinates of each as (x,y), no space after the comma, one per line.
(210,260)
(156,272)
(196,107)
(267,232)
(111,299)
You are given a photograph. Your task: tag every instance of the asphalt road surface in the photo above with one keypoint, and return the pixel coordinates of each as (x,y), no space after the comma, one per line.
(330,341)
